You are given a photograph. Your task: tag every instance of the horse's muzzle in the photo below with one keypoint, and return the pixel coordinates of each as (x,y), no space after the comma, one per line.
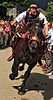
(33,46)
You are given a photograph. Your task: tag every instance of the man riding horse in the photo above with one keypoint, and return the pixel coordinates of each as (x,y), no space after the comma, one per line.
(31,14)
(30,48)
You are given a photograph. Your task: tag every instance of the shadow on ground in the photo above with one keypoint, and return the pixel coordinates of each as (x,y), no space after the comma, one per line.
(40,82)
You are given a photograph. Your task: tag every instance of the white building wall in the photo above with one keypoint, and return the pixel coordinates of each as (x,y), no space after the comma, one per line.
(12,11)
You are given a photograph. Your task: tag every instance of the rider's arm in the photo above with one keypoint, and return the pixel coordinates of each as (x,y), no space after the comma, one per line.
(46,29)
(41,17)
(19,18)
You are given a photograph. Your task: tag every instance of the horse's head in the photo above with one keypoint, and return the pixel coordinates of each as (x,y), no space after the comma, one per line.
(35,32)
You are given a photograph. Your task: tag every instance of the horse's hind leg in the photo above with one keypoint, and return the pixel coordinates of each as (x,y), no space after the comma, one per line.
(14,70)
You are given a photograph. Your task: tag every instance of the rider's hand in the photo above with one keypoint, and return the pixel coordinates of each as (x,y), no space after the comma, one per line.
(46,40)
(13,22)
(46,36)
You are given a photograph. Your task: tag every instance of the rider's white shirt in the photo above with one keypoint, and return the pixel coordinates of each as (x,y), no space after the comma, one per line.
(22,16)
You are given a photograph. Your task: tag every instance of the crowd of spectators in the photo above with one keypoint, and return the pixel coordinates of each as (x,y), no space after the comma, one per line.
(6,31)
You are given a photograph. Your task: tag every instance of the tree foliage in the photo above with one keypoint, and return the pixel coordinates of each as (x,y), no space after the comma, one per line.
(49,12)
(41,3)
(6,3)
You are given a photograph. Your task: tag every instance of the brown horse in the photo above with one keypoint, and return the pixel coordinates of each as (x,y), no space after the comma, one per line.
(29,51)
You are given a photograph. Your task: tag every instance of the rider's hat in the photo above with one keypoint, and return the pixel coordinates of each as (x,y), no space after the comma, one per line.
(33,6)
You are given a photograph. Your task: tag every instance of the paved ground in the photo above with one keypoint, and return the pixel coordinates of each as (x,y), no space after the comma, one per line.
(40,86)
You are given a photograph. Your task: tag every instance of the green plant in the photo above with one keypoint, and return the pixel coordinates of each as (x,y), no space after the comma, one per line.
(49,12)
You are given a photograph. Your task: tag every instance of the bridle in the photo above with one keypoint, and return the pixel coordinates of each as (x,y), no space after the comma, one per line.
(34,38)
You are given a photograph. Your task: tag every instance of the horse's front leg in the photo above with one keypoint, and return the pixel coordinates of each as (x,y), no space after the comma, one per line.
(14,70)
(21,90)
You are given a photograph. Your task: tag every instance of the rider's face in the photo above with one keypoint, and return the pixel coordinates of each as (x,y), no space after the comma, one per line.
(33,10)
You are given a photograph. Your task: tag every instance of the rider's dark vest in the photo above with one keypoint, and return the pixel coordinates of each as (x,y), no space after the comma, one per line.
(30,17)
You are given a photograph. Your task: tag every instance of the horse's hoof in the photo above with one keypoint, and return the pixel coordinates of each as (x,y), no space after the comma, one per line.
(11,76)
(21,92)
